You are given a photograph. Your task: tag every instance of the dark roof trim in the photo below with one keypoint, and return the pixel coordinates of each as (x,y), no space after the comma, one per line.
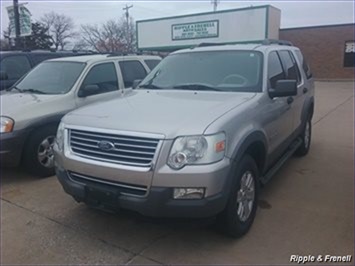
(207,13)
(319,26)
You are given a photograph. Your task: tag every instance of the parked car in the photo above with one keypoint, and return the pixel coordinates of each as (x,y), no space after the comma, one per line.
(33,107)
(15,64)
(206,127)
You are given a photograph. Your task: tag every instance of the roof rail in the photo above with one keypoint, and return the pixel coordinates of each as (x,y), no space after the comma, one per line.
(206,44)
(116,54)
(274,41)
(120,54)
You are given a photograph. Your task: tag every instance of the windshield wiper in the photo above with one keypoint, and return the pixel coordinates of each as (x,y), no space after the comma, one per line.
(196,86)
(34,91)
(150,86)
(14,87)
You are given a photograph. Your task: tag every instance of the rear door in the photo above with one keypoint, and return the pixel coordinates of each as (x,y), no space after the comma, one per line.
(104,76)
(277,110)
(308,83)
(293,72)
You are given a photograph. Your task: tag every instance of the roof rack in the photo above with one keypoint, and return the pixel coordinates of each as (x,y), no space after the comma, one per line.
(116,54)
(264,42)
(206,44)
(278,42)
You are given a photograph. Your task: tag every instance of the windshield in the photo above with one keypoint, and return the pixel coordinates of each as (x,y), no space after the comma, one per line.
(236,71)
(51,77)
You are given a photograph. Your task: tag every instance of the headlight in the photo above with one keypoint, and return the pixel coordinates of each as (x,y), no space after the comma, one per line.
(7,124)
(190,150)
(60,136)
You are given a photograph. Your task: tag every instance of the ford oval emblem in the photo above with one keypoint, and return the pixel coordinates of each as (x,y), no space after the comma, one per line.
(105,145)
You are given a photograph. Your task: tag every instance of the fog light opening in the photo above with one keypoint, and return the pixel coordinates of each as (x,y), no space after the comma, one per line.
(189,193)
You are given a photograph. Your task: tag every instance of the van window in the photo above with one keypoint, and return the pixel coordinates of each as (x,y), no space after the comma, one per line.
(152,63)
(38,58)
(132,70)
(275,71)
(104,76)
(304,64)
(290,66)
(15,66)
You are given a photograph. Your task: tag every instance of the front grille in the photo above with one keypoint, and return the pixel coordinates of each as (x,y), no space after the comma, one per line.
(126,150)
(122,187)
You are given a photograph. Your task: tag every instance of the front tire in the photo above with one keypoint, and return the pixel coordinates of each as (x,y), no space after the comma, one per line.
(306,139)
(38,153)
(239,214)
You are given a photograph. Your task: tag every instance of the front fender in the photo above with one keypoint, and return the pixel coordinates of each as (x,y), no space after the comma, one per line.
(241,148)
(308,106)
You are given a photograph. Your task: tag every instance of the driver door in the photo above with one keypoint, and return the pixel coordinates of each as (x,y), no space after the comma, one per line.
(104,79)
(278,112)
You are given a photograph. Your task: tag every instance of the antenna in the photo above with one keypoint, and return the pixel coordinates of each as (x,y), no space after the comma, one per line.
(215,4)
(127,19)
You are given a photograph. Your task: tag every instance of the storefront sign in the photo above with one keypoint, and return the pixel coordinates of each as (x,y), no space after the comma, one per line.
(197,30)
(349,54)
(25,21)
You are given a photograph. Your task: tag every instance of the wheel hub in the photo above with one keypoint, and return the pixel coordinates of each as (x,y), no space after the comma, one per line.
(45,152)
(245,196)
(307,135)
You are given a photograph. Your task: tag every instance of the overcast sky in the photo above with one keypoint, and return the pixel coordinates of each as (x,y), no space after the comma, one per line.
(293,13)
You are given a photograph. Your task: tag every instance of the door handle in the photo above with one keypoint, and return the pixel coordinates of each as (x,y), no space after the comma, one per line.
(305,90)
(290,100)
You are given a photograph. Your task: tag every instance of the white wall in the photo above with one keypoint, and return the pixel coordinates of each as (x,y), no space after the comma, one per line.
(274,22)
(234,26)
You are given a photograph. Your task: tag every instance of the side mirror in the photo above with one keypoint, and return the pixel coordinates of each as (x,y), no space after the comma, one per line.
(3,75)
(135,83)
(284,88)
(88,90)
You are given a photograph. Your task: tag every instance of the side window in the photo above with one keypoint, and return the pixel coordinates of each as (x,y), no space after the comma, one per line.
(275,71)
(305,66)
(290,66)
(15,66)
(104,76)
(299,78)
(152,63)
(131,70)
(38,58)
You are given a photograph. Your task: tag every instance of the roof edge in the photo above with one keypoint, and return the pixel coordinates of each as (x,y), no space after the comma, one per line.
(319,26)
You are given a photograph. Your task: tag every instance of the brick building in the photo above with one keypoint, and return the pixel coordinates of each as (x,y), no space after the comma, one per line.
(329,49)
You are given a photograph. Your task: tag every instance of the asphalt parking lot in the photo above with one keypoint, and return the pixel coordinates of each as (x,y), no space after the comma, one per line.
(307,209)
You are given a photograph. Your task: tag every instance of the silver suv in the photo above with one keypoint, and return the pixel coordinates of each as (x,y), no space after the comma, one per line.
(31,109)
(196,138)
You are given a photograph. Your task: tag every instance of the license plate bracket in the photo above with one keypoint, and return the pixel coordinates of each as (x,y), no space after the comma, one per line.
(102,197)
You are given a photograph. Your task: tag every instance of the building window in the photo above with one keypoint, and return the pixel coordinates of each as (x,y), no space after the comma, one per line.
(349,54)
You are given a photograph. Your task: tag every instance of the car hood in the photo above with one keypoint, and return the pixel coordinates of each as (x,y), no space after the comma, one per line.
(14,102)
(26,107)
(171,113)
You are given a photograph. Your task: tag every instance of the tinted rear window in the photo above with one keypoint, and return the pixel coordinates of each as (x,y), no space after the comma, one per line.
(152,63)
(131,71)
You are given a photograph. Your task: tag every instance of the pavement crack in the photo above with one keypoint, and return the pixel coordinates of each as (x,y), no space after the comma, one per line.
(333,110)
(155,240)
(75,229)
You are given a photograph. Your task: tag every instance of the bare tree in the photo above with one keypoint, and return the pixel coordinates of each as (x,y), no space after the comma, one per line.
(81,45)
(60,28)
(130,34)
(110,36)
(4,44)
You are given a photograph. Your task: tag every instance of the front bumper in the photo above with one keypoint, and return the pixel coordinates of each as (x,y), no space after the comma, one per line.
(158,202)
(11,145)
